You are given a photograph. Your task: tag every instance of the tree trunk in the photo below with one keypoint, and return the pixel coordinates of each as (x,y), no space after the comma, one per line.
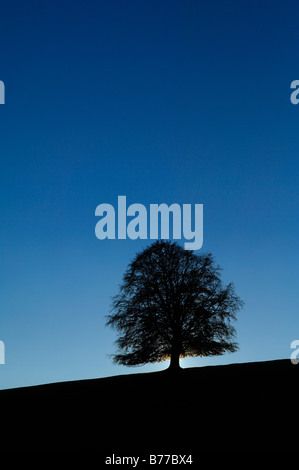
(174,365)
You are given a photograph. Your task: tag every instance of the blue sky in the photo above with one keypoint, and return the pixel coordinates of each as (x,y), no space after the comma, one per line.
(169,101)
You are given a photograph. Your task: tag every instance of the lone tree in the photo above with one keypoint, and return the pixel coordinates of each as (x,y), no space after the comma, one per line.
(172,304)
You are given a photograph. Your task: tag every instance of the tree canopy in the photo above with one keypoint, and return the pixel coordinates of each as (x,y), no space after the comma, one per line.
(172,304)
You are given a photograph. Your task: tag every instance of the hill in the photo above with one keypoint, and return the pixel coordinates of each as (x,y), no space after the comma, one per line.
(238,406)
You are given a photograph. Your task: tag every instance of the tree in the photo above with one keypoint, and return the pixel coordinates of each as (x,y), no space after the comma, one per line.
(172,304)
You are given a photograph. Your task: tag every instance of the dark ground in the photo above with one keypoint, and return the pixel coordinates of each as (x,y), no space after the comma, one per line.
(238,406)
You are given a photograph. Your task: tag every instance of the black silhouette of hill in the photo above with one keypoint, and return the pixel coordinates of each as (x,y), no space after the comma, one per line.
(238,406)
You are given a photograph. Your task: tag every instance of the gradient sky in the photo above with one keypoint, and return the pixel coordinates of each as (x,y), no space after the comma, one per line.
(161,101)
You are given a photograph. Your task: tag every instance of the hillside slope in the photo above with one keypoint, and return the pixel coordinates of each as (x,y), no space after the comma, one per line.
(238,406)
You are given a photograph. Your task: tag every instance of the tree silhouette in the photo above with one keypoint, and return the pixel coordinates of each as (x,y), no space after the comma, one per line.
(172,304)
